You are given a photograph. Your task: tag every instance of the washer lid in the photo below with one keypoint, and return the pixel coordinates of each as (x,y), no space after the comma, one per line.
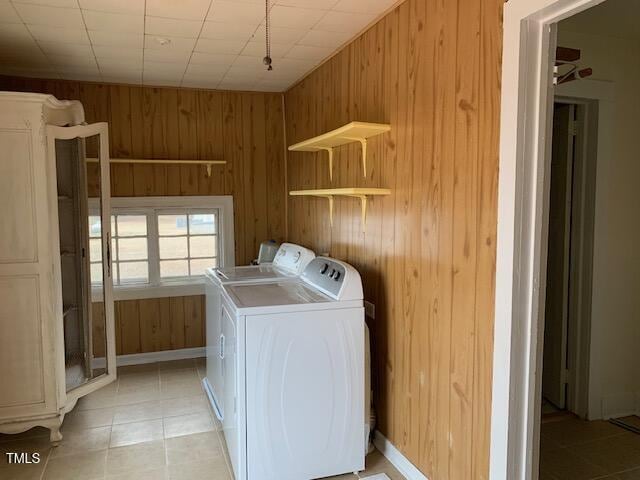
(274,294)
(249,274)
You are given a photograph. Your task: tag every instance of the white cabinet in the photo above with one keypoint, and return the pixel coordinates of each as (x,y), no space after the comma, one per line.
(51,255)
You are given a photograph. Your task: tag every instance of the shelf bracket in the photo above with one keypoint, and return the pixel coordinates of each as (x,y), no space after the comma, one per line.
(330,198)
(329,150)
(363,144)
(363,208)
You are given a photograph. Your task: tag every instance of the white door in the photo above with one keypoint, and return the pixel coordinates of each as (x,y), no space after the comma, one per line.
(100,351)
(554,376)
(215,376)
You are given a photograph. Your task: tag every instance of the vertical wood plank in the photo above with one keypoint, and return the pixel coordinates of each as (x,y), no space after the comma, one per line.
(193,321)
(188,141)
(275,171)
(464,239)
(130,325)
(489,139)
(98,330)
(210,142)
(176,305)
(164,324)
(149,310)
(120,140)
(118,327)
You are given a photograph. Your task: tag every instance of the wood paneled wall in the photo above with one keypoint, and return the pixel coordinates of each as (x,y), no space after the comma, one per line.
(430,68)
(245,129)
(152,325)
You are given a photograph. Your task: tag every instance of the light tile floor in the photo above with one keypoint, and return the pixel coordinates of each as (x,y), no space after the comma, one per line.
(153,423)
(574,449)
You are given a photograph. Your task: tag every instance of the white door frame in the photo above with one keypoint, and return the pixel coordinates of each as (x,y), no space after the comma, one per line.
(523,186)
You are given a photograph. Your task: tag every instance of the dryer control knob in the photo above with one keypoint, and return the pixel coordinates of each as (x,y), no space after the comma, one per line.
(296,259)
(324,269)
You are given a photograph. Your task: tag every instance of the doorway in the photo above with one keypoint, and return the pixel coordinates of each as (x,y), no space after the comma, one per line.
(571,208)
(524,189)
(558,285)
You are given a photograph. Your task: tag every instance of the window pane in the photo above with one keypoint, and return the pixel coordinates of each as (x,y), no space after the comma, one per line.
(96,273)
(95,249)
(202,224)
(132,248)
(134,272)
(174,268)
(203,246)
(132,225)
(199,266)
(173,247)
(172,224)
(95,228)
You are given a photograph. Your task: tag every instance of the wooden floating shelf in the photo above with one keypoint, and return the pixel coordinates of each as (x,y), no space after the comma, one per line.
(349,133)
(158,161)
(330,193)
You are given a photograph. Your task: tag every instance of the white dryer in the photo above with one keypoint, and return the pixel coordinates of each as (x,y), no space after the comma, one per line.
(289,262)
(294,375)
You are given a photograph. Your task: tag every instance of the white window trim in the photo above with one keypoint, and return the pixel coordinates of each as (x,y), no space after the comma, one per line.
(182,286)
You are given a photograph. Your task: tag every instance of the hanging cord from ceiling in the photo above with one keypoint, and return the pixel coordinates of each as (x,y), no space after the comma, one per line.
(267,59)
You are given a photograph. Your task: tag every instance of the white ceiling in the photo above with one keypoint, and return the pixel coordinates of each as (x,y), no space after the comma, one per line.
(212,43)
(613,18)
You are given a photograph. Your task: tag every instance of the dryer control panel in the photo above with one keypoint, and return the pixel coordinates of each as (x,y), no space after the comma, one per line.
(335,278)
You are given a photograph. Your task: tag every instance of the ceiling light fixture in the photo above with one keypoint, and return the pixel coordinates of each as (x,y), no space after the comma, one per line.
(163,41)
(267,59)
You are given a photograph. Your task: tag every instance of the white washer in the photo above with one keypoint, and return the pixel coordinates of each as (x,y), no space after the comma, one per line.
(288,264)
(294,375)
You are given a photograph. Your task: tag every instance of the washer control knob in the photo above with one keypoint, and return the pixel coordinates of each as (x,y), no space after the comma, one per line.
(336,276)
(324,269)
(296,259)
(333,272)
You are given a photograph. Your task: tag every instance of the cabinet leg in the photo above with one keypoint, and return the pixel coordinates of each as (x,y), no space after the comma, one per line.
(55,437)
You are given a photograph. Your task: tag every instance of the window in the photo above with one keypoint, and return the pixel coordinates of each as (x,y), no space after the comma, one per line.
(161,242)
(129,247)
(188,243)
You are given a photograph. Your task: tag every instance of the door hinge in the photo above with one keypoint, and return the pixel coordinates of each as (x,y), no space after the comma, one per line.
(564,376)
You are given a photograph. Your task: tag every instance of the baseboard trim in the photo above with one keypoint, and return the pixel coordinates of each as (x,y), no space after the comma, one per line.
(152,357)
(397,459)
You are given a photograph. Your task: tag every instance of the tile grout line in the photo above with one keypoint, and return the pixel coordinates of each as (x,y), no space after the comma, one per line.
(86,29)
(46,463)
(196,42)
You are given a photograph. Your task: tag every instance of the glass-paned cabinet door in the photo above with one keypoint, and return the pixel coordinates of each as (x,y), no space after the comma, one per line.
(81,159)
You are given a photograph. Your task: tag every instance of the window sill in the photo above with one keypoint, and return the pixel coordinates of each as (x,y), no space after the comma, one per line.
(140,292)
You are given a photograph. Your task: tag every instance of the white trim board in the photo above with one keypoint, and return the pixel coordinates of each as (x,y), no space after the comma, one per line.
(526,97)
(397,459)
(153,357)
